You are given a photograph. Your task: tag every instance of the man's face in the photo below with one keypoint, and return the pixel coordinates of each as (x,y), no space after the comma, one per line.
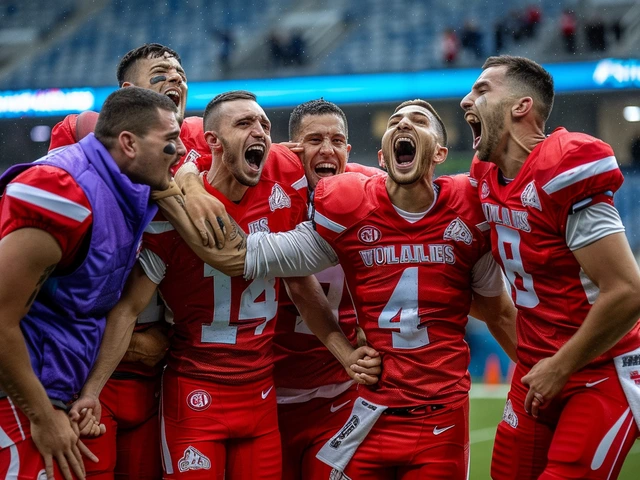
(409,144)
(326,150)
(151,164)
(149,71)
(243,132)
(486,109)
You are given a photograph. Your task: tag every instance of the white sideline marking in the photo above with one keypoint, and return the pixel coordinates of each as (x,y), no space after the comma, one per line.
(481,390)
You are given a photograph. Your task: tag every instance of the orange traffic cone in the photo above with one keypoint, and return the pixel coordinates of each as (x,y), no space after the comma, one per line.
(492,373)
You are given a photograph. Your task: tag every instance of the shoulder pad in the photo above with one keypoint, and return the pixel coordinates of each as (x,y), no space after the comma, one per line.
(284,166)
(363,169)
(64,132)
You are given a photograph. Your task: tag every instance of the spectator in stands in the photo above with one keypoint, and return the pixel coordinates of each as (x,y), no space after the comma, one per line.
(471,39)
(226,43)
(296,49)
(276,49)
(532,18)
(450,47)
(568,26)
(635,152)
(500,31)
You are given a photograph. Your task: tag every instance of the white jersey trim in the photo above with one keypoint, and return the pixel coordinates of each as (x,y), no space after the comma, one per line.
(152,265)
(48,201)
(486,277)
(580,173)
(286,396)
(327,223)
(158,227)
(591,224)
(300,183)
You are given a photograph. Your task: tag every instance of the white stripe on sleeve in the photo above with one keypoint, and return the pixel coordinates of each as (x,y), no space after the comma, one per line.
(579,173)
(48,201)
(152,265)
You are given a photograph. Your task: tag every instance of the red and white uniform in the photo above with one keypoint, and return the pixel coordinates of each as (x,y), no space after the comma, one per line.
(411,281)
(218,394)
(536,221)
(129,448)
(49,199)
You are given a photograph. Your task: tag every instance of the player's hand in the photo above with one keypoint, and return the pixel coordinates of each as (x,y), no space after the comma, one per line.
(293,146)
(545,380)
(85,413)
(365,365)
(205,211)
(57,440)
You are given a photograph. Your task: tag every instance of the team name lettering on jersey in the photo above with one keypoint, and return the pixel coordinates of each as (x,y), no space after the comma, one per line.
(504,216)
(260,225)
(630,360)
(395,254)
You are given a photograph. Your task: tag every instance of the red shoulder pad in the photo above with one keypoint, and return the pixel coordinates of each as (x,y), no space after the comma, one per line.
(363,169)
(64,133)
(479,168)
(341,200)
(573,166)
(460,192)
(284,166)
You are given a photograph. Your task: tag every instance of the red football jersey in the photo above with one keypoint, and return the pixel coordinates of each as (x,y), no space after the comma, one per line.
(302,361)
(223,326)
(410,282)
(48,198)
(528,219)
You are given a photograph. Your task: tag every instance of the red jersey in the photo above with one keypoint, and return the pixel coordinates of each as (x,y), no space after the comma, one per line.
(528,219)
(410,282)
(49,199)
(223,326)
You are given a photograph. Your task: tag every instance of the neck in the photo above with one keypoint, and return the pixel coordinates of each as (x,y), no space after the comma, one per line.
(220,178)
(414,198)
(516,148)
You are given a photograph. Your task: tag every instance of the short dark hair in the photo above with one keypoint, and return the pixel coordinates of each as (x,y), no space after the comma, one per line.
(531,77)
(134,110)
(148,50)
(210,116)
(442,131)
(314,107)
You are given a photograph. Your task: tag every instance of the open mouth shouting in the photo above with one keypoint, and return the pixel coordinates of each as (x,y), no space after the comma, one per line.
(175,95)
(325,169)
(404,150)
(254,155)
(476,128)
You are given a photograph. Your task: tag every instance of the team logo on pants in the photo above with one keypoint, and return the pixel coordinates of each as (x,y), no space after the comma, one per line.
(42,475)
(509,415)
(198,400)
(193,460)
(338,475)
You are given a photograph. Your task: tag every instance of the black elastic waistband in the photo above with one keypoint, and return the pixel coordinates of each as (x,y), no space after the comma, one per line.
(415,410)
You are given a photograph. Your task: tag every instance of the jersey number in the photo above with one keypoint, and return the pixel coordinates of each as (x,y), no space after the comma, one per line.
(220,330)
(521,281)
(401,313)
(333,279)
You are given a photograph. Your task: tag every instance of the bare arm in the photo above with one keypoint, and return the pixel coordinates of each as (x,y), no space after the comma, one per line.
(206,212)
(27,258)
(499,313)
(610,264)
(228,259)
(362,364)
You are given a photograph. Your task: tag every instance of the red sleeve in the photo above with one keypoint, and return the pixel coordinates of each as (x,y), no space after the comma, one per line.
(64,133)
(198,152)
(363,169)
(49,199)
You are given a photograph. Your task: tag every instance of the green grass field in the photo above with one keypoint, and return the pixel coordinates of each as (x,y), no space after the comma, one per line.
(486,412)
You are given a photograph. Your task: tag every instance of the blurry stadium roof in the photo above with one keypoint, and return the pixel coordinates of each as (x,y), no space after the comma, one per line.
(606,74)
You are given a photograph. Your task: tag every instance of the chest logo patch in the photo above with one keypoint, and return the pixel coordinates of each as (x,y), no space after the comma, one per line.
(199,400)
(369,234)
(278,198)
(530,197)
(458,232)
(484,190)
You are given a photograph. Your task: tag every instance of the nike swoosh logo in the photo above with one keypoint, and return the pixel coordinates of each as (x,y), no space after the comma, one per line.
(593,384)
(438,431)
(266,394)
(338,407)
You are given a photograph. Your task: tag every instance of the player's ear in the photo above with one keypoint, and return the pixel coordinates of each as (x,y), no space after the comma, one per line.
(381,161)
(127,84)
(213,141)
(522,107)
(128,144)
(440,154)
